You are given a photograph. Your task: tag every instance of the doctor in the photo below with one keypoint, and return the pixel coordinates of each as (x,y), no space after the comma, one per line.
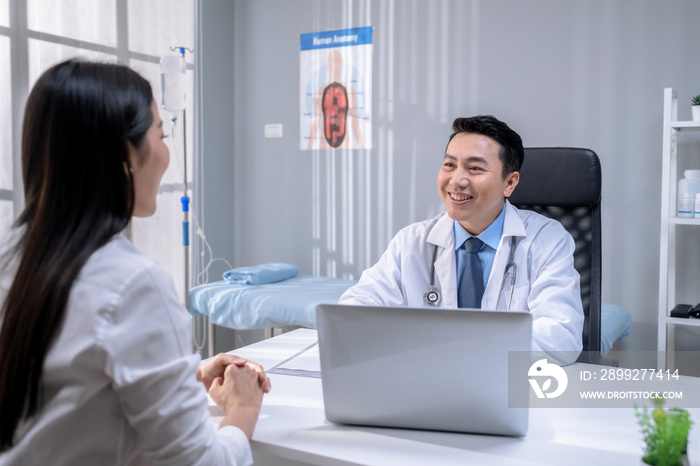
(526,259)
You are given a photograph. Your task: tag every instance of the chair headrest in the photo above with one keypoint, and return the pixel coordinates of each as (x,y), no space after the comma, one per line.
(558,176)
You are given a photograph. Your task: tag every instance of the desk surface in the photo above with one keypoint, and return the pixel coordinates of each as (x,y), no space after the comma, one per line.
(292,426)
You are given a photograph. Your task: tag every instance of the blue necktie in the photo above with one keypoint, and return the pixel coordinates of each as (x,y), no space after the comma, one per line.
(471,285)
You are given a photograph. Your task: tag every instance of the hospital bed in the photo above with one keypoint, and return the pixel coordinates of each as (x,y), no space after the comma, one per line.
(293,301)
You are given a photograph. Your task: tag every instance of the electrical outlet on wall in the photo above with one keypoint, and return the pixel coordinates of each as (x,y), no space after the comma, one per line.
(273,130)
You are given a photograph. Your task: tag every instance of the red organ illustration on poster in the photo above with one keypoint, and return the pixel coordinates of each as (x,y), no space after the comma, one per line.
(335,112)
(336,89)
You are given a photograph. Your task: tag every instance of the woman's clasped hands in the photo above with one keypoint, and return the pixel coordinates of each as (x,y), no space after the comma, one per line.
(237,386)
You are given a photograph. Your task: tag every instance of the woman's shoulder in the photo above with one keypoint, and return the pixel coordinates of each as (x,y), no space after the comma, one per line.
(117,264)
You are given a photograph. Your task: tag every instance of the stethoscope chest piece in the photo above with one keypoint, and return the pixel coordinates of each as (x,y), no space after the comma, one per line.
(432,296)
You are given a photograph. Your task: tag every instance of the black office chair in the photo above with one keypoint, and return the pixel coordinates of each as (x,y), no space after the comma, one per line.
(565,184)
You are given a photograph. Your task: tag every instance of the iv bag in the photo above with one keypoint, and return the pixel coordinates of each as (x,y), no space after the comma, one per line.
(172,82)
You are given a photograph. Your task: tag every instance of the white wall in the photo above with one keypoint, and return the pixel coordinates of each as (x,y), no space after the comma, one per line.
(578,73)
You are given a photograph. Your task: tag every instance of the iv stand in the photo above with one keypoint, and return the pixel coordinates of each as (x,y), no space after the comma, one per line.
(185,201)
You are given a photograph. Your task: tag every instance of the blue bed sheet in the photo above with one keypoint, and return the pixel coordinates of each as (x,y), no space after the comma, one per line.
(289,302)
(615,325)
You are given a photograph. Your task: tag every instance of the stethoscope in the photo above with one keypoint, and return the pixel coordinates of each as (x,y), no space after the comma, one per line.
(432,296)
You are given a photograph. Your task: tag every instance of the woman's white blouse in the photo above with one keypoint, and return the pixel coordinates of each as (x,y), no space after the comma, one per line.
(119,383)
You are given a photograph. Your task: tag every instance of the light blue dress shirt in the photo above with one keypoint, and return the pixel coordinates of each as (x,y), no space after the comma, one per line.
(491,236)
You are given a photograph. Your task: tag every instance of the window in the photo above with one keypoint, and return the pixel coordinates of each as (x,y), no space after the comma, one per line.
(83,20)
(5,13)
(36,34)
(6,137)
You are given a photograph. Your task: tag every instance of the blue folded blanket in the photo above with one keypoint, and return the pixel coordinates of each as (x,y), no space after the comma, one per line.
(261,274)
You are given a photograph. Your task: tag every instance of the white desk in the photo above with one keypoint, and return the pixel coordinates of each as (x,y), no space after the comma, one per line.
(292,429)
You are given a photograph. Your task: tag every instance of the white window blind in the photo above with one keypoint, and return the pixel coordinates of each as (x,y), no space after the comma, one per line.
(5,13)
(86,20)
(134,32)
(6,162)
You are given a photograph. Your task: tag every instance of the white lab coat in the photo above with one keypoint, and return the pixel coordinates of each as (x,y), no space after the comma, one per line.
(547,285)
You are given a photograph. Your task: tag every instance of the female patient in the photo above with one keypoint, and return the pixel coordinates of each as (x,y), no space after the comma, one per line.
(96,361)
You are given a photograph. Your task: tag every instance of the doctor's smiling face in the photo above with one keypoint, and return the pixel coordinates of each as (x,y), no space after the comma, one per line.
(472,183)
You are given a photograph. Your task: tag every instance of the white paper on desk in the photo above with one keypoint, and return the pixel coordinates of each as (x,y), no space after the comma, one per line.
(306,363)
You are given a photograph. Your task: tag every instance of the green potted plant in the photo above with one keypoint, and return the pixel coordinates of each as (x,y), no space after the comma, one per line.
(665,434)
(695,102)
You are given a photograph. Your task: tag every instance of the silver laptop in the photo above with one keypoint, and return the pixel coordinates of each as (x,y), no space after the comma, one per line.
(430,369)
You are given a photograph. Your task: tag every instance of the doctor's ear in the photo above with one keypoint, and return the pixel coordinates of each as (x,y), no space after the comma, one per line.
(511,180)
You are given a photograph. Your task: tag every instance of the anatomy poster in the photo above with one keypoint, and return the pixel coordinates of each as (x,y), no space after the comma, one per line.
(336,89)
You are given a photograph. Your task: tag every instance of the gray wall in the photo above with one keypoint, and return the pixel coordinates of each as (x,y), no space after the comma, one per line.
(561,73)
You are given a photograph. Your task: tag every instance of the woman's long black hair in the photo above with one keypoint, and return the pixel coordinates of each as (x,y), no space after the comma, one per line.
(80,120)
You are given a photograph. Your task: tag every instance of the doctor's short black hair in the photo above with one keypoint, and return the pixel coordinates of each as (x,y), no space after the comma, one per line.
(511,153)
